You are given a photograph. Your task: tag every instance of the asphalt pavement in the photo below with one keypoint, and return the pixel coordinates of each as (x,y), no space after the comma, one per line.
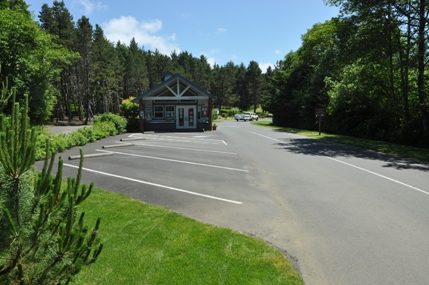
(345,215)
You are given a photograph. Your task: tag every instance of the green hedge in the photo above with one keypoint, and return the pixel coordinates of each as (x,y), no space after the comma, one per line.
(104,126)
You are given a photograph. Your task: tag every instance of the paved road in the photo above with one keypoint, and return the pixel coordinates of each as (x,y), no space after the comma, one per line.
(347,215)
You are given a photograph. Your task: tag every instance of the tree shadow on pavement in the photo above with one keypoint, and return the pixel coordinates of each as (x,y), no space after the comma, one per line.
(310,146)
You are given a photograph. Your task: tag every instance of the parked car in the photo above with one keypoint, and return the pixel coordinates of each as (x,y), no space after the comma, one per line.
(252,116)
(243,117)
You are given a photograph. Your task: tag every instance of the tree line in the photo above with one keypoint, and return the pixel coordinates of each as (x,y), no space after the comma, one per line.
(367,68)
(70,69)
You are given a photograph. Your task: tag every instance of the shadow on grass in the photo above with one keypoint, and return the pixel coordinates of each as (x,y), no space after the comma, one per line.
(311,146)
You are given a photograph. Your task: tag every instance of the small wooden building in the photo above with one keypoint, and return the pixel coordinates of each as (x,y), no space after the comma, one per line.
(176,104)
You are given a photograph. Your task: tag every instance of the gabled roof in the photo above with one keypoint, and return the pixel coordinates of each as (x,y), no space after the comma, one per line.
(166,75)
(172,79)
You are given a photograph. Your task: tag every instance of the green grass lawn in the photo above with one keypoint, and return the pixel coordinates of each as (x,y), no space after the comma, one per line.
(401,150)
(145,244)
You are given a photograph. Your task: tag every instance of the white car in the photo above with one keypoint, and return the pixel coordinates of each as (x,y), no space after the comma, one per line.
(243,117)
(252,116)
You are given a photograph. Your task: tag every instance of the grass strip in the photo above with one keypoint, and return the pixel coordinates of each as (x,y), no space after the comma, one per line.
(146,244)
(385,147)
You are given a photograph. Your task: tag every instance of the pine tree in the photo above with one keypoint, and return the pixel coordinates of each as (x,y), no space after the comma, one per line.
(43,238)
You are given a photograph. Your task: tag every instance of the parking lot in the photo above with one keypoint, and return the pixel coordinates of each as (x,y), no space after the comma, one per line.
(192,173)
(302,195)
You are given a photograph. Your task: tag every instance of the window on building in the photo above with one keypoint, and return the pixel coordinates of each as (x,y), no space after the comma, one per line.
(158,112)
(169,112)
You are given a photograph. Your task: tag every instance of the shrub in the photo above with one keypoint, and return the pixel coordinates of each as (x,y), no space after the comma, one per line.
(78,138)
(104,129)
(88,133)
(130,111)
(119,122)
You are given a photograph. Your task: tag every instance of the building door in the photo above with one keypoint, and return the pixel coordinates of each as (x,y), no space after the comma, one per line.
(186,118)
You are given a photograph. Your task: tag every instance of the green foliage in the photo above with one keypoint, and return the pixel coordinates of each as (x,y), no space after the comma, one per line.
(104,129)
(30,60)
(229,112)
(82,136)
(119,122)
(130,112)
(43,237)
(129,109)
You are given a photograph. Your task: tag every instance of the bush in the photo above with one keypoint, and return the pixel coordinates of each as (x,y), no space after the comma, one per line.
(130,111)
(78,138)
(61,142)
(119,122)
(88,133)
(104,129)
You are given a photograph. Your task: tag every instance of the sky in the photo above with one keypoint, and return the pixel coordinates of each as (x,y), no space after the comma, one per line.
(236,30)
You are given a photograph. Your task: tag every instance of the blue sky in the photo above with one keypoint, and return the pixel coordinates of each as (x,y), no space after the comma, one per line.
(240,31)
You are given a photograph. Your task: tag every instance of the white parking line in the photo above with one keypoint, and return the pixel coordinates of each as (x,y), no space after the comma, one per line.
(184,148)
(178,161)
(179,139)
(156,185)
(363,169)
(379,175)
(266,137)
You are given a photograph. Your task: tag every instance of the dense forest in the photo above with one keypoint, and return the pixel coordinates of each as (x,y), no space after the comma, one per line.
(367,68)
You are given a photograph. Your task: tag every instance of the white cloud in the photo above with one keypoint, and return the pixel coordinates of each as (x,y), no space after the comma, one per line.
(277,51)
(152,27)
(211,61)
(221,30)
(125,28)
(264,66)
(89,7)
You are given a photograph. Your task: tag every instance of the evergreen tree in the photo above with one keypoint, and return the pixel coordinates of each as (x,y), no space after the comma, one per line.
(43,239)
(58,21)
(104,82)
(84,36)
(254,81)
(241,87)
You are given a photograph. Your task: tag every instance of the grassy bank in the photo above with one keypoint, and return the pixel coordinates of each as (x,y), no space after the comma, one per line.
(401,150)
(145,244)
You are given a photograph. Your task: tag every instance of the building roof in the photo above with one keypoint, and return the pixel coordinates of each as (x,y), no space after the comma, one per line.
(170,78)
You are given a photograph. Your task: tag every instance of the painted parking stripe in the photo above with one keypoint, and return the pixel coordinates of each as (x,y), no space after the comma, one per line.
(177,161)
(184,148)
(179,139)
(157,185)
(379,175)
(363,169)
(171,139)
